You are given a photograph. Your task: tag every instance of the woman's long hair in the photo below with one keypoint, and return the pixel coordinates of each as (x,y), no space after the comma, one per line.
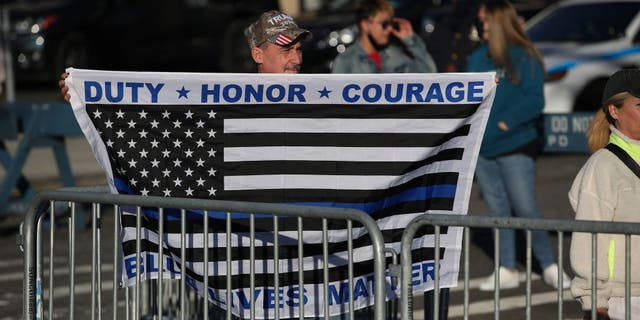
(506,29)
(598,132)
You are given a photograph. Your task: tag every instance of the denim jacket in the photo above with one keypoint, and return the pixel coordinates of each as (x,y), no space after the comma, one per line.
(394,60)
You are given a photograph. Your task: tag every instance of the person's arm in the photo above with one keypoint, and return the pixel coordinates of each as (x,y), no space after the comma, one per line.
(422,61)
(64,90)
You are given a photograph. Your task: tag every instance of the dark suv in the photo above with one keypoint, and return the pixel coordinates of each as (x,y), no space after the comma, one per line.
(159,35)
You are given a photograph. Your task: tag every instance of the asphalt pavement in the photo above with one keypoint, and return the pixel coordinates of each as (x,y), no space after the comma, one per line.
(555,175)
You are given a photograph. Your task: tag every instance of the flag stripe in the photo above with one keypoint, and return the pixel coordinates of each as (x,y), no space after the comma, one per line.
(312,195)
(351,154)
(331,167)
(288,246)
(387,140)
(352,111)
(327,126)
(265,222)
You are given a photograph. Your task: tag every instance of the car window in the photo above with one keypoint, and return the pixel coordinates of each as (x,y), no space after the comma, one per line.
(585,23)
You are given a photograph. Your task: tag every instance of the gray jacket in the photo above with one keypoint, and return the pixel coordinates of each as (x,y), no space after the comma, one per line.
(394,60)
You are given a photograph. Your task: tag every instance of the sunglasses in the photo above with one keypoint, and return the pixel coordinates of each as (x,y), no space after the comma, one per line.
(389,23)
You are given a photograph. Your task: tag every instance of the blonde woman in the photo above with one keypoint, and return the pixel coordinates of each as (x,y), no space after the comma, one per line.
(606,189)
(506,168)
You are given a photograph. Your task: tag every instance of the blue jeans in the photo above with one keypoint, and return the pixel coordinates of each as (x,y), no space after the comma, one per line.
(508,187)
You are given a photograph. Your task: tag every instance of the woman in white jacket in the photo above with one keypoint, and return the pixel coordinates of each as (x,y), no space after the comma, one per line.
(606,189)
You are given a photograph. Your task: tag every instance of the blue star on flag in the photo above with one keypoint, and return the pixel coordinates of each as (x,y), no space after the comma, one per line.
(183,93)
(324,93)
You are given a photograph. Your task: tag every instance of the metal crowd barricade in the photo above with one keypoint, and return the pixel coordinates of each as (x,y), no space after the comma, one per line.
(496,223)
(161,294)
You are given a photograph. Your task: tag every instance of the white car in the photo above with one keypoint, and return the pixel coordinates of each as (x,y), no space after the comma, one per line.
(583,42)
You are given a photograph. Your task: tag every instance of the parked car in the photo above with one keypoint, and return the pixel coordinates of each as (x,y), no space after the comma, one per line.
(162,35)
(583,42)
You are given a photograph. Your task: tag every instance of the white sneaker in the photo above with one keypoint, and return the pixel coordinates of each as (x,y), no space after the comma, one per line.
(550,277)
(508,280)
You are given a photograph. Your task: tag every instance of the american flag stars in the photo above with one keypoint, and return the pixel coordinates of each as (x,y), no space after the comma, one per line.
(165,151)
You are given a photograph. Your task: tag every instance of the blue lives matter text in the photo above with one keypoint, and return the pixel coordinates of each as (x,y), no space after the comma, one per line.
(287,297)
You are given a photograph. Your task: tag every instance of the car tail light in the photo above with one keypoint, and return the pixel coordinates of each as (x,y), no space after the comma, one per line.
(555,76)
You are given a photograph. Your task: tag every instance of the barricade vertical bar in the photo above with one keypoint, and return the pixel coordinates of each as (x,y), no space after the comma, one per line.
(496,272)
(160,259)
(252,268)
(350,266)
(406,296)
(325,267)
(72,260)
(301,267)
(136,310)
(127,308)
(594,273)
(393,281)
(116,261)
(183,254)
(170,302)
(28,230)
(378,271)
(173,313)
(436,280)
(627,276)
(39,291)
(229,245)
(93,260)
(99,244)
(466,237)
(560,274)
(205,268)
(528,276)
(29,243)
(52,223)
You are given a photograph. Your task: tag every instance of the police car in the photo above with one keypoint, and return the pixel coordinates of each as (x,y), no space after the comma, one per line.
(583,42)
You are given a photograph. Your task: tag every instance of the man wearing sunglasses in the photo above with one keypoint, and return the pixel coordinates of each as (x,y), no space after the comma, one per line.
(386,44)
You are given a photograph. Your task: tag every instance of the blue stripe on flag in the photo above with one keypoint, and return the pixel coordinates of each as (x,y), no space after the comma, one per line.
(122,186)
(415,194)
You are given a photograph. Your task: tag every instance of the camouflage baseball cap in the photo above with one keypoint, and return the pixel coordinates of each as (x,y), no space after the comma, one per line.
(275,27)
